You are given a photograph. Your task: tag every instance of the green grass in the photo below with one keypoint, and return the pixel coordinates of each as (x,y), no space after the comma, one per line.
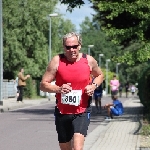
(146,125)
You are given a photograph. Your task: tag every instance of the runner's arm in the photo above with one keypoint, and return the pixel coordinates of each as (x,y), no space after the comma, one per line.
(49,76)
(95,70)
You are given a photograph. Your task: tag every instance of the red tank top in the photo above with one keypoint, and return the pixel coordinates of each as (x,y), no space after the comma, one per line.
(76,73)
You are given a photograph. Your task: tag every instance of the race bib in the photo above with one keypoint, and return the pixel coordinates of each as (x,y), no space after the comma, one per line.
(72,98)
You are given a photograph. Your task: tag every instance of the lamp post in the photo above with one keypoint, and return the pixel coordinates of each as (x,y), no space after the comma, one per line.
(1,55)
(49,50)
(107,60)
(117,68)
(100,55)
(89,50)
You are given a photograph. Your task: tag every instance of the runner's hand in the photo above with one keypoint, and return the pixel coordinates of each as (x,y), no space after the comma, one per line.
(66,88)
(89,89)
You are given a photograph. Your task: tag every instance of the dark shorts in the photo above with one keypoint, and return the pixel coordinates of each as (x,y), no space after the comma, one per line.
(114,92)
(96,95)
(68,124)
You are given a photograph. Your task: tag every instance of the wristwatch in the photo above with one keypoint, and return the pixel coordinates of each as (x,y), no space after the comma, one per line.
(95,84)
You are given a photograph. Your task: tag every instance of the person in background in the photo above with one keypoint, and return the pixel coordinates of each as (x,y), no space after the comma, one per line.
(92,97)
(114,85)
(120,89)
(21,84)
(73,89)
(115,108)
(97,96)
(133,89)
(104,87)
(127,89)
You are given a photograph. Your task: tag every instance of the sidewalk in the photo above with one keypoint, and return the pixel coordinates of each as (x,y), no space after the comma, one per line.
(11,103)
(121,133)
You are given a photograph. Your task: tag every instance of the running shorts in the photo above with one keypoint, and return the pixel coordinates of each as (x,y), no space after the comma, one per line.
(68,124)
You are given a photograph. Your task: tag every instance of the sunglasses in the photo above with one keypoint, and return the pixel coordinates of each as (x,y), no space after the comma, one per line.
(73,46)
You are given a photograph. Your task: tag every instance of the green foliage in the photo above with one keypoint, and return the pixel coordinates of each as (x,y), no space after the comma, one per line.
(102,45)
(26,34)
(92,35)
(145,129)
(144,89)
(124,20)
(126,23)
(110,77)
(144,94)
(129,70)
(25,37)
(72,3)
(133,73)
(110,74)
(30,88)
(135,56)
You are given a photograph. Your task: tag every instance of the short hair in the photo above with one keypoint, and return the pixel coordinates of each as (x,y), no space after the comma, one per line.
(20,69)
(71,34)
(114,75)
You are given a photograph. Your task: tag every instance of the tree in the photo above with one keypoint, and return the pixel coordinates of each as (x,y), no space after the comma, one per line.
(92,35)
(125,22)
(26,35)
(72,3)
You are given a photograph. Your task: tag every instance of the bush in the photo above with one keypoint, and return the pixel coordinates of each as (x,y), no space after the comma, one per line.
(144,90)
(30,88)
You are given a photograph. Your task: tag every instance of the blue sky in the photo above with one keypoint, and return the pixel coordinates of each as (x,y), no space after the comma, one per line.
(78,14)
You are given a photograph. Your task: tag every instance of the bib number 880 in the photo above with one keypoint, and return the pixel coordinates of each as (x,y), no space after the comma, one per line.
(72,98)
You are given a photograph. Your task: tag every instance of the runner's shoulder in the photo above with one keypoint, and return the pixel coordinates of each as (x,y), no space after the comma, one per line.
(90,59)
(56,58)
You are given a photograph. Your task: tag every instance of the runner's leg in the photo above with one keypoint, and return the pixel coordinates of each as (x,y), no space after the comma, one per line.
(65,146)
(80,125)
(78,141)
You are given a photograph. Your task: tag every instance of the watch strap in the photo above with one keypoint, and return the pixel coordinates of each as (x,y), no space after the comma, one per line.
(95,84)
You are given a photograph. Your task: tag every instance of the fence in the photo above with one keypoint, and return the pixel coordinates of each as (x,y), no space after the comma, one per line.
(8,89)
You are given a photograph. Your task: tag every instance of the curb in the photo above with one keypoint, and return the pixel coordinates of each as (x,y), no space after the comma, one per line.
(12,104)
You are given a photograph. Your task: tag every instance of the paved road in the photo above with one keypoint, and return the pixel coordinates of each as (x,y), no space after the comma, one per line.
(28,129)
(33,128)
